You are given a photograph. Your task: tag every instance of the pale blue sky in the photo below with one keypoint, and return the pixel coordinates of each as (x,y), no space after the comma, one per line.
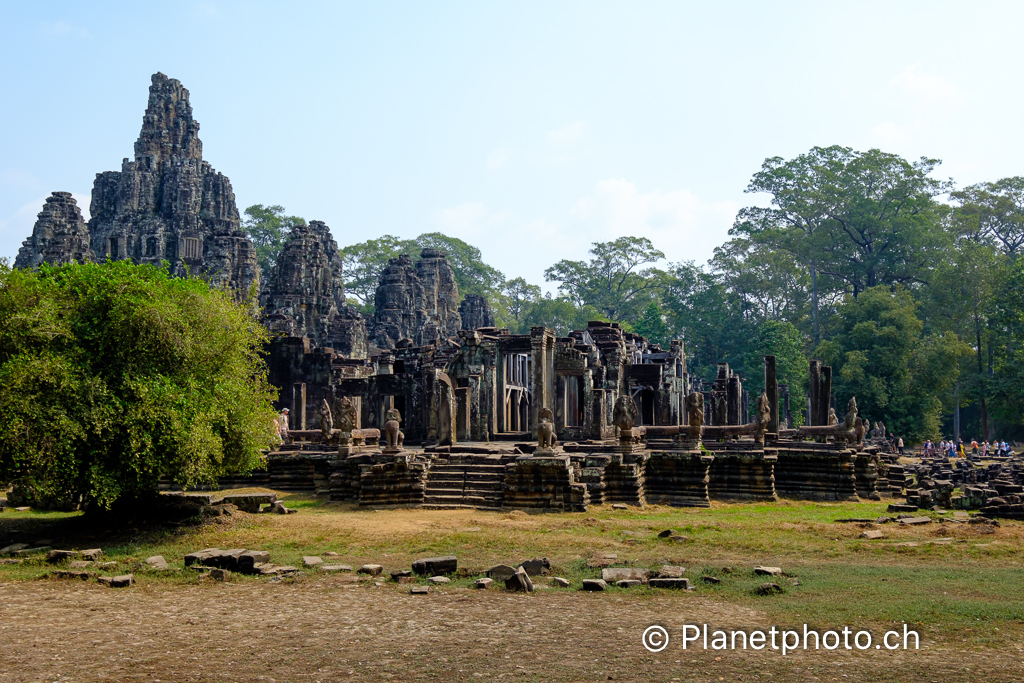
(527,129)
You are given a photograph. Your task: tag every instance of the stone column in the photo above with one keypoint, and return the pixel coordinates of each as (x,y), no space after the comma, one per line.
(814,409)
(825,395)
(298,410)
(733,398)
(771,388)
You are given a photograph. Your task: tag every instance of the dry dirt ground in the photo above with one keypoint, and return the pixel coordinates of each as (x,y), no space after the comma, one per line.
(335,628)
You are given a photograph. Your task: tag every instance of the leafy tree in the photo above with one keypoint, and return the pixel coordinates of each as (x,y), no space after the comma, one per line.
(784,341)
(517,298)
(268,227)
(614,281)
(880,356)
(363,264)
(701,311)
(113,375)
(365,261)
(860,219)
(653,326)
(471,273)
(995,211)
(560,314)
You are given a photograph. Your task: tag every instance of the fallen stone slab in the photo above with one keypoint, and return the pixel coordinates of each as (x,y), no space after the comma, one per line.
(439,579)
(500,572)
(678,538)
(419,590)
(683,584)
(13,548)
(560,582)
(371,569)
(620,506)
(669,571)
(602,560)
(55,556)
(872,535)
(8,560)
(913,521)
(483,583)
(628,583)
(335,568)
(713,580)
(406,579)
(768,571)
(72,574)
(433,566)
(249,502)
(538,566)
(201,556)
(853,520)
(157,562)
(310,561)
(105,565)
(218,574)
(594,584)
(22,509)
(30,551)
(400,573)
(898,507)
(247,561)
(80,564)
(122,581)
(615,574)
(519,581)
(769,589)
(90,554)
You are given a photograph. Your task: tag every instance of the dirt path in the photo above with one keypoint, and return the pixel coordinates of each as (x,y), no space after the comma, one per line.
(332,629)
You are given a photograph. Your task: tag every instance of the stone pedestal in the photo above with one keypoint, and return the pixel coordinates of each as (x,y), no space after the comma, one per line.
(624,477)
(545,483)
(743,474)
(678,478)
(816,471)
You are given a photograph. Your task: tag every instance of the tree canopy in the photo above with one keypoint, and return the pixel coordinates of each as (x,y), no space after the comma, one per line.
(114,375)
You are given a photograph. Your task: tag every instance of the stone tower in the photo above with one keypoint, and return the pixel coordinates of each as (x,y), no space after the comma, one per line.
(170,205)
(416,301)
(304,295)
(59,235)
(475,312)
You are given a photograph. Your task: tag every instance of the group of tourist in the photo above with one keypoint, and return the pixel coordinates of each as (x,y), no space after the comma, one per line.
(957,449)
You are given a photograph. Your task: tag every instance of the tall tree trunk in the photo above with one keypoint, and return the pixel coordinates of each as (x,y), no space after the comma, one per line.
(814,305)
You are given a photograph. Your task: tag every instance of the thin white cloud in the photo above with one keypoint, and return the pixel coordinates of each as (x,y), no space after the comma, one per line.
(887,134)
(678,222)
(64,29)
(928,87)
(499,157)
(566,134)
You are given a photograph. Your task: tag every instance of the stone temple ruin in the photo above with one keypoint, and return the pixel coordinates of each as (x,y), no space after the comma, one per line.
(429,404)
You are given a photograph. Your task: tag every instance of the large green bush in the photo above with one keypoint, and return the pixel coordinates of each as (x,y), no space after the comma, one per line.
(113,375)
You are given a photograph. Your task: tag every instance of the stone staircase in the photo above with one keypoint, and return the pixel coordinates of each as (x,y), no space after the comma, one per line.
(465,483)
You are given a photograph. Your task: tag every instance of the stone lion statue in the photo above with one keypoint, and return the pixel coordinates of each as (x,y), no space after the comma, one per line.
(346,414)
(394,435)
(546,438)
(832,419)
(624,414)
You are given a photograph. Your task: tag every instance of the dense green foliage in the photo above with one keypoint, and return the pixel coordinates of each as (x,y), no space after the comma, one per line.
(114,375)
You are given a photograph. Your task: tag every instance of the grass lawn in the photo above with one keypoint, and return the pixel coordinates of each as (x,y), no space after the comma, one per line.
(960,585)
